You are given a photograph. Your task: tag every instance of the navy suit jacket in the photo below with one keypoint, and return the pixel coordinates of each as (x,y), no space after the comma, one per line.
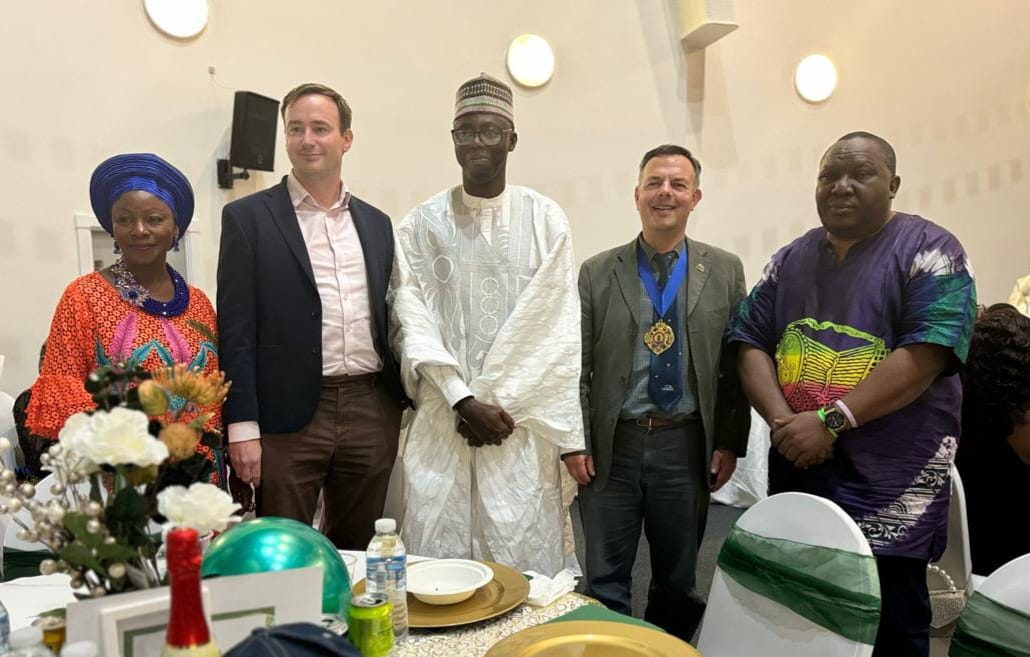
(270,313)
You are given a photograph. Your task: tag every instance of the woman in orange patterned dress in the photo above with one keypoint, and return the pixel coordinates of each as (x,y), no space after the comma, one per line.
(137,311)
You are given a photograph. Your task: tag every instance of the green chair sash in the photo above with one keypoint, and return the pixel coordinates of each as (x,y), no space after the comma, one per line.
(835,589)
(23,563)
(988,628)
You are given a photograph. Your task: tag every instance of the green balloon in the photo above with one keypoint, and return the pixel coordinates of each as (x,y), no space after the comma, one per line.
(268,544)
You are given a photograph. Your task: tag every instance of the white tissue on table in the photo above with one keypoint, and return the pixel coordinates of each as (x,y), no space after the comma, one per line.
(544,590)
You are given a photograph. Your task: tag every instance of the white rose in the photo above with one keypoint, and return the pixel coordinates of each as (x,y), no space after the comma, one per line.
(203,507)
(118,437)
(78,426)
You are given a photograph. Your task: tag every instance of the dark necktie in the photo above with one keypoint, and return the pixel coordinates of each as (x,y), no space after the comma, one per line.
(665,380)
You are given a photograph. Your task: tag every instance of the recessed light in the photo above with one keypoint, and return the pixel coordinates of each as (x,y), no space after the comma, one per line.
(815,78)
(530,60)
(181,19)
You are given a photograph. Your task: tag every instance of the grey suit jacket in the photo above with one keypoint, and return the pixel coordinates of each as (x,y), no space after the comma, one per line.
(608,289)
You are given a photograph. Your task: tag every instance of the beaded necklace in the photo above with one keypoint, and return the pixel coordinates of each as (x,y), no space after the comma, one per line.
(129,288)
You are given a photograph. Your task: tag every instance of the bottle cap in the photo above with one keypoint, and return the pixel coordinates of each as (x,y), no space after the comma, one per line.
(26,637)
(386,525)
(79,649)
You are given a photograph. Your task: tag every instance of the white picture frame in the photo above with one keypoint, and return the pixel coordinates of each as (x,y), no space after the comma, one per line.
(134,624)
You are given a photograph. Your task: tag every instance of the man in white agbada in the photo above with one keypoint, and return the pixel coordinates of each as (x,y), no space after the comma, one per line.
(485,320)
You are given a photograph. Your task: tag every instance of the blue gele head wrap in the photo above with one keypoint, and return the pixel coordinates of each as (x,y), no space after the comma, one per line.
(144,172)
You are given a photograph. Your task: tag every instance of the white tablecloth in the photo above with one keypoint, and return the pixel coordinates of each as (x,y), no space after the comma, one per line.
(27,597)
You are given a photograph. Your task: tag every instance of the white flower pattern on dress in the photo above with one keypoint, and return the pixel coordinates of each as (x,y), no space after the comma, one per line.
(891,523)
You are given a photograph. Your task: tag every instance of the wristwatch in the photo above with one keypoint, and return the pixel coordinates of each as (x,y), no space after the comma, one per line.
(833,419)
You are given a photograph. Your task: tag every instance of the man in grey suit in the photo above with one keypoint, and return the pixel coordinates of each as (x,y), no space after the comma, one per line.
(664,411)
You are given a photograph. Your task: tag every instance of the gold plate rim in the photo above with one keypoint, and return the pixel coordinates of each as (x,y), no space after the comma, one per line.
(514,589)
(616,635)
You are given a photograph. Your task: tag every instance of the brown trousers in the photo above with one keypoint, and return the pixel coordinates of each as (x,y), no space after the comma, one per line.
(347,451)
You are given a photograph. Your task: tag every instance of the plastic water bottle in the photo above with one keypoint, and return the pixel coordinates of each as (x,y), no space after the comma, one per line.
(5,629)
(386,571)
(28,642)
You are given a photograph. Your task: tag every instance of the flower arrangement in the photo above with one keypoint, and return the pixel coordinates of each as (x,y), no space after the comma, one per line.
(122,472)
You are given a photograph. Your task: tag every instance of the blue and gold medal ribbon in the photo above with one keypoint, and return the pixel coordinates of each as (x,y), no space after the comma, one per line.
(661,300)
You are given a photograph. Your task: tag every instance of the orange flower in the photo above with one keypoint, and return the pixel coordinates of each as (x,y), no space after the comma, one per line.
(180,440)
(152,398)
(193,385)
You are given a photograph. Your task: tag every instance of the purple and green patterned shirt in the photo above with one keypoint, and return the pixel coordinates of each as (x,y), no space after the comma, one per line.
(827,325)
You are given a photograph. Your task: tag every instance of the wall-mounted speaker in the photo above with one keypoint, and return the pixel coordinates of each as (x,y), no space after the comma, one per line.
(255,120)
(703,22)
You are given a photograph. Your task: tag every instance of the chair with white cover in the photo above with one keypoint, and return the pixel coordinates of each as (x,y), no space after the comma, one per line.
(749,483)
(950,578)
(8,429)
(43,494)
(996,620)
(13,544)
(800,541)
(957,560)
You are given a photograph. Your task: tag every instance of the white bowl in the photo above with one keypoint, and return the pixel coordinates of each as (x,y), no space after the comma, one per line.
(447,581)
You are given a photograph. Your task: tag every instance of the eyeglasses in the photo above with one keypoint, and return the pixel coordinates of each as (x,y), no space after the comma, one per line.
(488,135)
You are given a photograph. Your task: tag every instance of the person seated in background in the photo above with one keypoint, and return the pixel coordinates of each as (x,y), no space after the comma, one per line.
(138,311)
(994,452)
(31,445)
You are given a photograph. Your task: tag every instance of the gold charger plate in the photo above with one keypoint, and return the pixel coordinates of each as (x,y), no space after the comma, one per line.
(591,639)
(508,589)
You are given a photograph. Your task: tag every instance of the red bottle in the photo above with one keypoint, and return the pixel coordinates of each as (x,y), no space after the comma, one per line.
(188,634)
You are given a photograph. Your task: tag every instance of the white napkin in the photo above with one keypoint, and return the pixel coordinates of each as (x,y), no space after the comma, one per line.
(544,590)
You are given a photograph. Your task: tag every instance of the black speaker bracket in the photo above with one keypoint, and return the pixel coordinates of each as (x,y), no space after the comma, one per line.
(226,176)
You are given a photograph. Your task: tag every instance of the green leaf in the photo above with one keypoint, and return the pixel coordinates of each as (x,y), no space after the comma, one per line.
(80,555)
(75,522)
(185,472)
(212,439)
(197,423)
(128,505)
(126,514)
(95,488)
(138,537)
(58,612)
(108,552)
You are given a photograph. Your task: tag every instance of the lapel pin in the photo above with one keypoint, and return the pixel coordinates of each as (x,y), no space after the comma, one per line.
(700,267)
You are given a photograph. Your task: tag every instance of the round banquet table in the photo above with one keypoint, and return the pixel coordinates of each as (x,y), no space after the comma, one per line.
(27,597)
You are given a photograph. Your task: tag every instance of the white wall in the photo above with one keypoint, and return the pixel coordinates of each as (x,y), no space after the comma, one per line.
(945,81)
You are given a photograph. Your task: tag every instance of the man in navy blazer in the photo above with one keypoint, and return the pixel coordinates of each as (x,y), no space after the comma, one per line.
(303,268)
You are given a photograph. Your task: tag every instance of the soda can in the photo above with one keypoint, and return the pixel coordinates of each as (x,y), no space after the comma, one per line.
(370,622)
(53,632)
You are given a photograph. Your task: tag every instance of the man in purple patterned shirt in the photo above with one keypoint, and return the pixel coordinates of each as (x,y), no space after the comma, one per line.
(850,346)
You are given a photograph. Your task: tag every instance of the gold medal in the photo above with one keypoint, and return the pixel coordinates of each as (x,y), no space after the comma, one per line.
(659,337)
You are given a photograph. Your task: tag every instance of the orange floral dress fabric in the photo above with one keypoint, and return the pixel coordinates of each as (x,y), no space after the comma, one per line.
(94,326)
